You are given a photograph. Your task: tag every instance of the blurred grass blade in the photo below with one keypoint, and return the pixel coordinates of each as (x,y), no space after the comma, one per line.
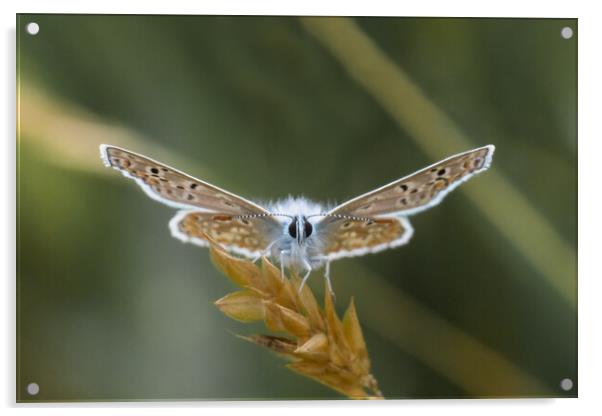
(70,136)
(436,134)
(456,355)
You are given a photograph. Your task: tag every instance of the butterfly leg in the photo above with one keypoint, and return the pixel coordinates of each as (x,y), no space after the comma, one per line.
(327,276)
(307,273)
(256,259)
(326,272)
(265,253)
(282,253)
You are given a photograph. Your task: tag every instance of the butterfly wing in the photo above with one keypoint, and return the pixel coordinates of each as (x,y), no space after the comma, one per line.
(354,237)
(175,188)
(393,202)
(239,224)
(420,190)
(248,236)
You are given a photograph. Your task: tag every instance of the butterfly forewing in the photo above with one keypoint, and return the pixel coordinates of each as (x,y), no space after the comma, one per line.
(419,190)
(175,188)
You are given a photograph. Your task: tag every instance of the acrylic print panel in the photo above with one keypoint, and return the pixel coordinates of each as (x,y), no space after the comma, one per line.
(474,297)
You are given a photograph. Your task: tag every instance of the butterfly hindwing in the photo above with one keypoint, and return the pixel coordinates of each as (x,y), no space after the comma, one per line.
(346,237)
(246,236)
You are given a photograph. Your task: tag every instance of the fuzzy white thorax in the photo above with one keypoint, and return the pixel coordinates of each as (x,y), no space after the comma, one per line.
(285,248)
(296,206)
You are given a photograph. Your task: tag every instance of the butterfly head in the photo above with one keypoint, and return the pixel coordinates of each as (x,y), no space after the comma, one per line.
(300,229)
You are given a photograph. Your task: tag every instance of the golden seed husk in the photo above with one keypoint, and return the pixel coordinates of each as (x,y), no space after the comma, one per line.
(319,345)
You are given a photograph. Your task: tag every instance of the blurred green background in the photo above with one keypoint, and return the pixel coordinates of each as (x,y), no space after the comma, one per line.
(110,307)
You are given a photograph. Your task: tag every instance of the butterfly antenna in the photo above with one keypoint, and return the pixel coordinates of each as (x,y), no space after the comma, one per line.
(341,216)
(267,214)
(277,214)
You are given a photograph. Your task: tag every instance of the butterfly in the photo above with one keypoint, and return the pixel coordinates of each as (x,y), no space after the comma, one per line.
(297,233)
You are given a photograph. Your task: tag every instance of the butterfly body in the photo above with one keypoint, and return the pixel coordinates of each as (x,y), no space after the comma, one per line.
(299,245)
(297,233)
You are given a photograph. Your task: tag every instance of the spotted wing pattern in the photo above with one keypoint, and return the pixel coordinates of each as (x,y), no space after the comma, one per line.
(247,236)
(354,237)
(377,220)
(240,225)
(176,188)
(420,190)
